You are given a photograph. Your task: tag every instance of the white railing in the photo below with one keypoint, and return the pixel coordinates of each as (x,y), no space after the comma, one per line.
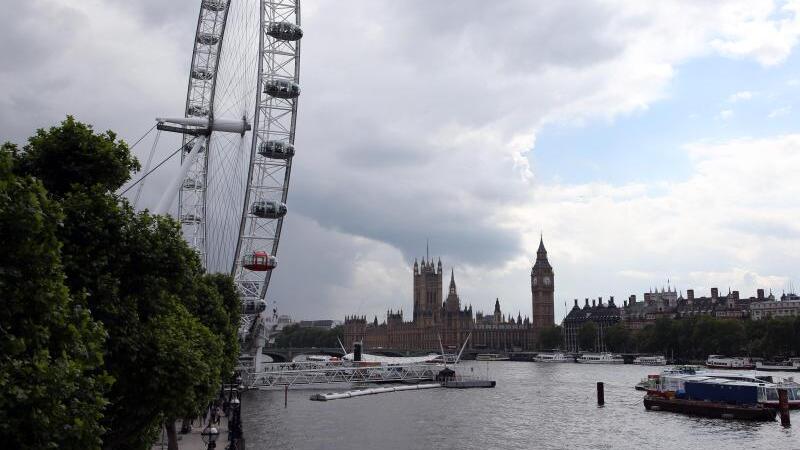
(310,373)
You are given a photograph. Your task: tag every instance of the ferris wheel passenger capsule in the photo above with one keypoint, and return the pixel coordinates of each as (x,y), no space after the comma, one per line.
(207,38)
(284,31)
(215,5)
(202,74)
(269,209)
(259,262)
(276,150)
(254,307)
(190,219)
(191,183)
(282,88)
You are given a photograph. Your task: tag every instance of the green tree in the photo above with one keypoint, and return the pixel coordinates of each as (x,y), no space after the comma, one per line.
(73,155)
(587,336)
(550,337)
(51,377)
(618,338)
(295,336)
(171,328)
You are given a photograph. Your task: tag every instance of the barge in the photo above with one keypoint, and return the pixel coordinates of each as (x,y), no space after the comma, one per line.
(709,409)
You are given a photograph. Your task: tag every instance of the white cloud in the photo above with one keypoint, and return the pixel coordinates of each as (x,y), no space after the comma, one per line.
(779,112)
(765,31)
(731,223)
(418,120)
(725,114)
(740,96)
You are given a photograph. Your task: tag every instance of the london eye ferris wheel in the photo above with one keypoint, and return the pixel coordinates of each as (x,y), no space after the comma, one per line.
(238,133)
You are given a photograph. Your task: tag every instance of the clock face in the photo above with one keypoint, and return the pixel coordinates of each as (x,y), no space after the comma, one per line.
(547,281)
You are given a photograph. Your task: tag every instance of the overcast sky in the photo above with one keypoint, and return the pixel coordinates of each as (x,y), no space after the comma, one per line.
(647,141)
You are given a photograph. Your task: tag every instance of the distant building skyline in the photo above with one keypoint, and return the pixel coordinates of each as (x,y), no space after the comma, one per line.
(434,318)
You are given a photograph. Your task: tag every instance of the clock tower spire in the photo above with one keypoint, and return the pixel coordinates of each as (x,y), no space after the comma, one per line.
(542,290)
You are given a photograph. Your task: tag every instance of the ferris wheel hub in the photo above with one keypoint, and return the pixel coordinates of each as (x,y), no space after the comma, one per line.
(202,125)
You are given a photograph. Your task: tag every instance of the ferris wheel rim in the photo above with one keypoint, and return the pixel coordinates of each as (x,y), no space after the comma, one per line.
(212,37)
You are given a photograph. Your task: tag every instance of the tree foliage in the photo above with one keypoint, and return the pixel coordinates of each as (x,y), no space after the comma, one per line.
(295,336)
(697,337)
(549,337)
(587,336)
(52,382)
(72,154)
(618,338)
(171,328)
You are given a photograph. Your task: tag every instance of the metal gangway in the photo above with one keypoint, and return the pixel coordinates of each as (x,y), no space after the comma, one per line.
(280,375)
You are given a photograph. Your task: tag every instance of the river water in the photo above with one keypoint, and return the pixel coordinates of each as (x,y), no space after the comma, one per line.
(534,406)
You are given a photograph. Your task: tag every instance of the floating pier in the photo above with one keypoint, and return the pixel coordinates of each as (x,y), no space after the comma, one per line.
(372,391)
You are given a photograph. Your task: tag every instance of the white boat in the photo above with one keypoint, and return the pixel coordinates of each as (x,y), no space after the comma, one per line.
(491,357)
(725,362)
(600,358)
(657,360)
(782,366)
(554,357)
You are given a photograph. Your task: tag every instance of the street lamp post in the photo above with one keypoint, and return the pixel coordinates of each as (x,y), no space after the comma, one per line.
(209,436)
(235,420)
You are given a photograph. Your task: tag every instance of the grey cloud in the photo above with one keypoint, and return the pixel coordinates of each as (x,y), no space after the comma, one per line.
(382,81)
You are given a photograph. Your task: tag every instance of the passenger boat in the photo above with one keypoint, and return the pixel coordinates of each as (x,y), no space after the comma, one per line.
(673,382)
(711,397)
(778,366)
(555,357)
(656,360)
(725,362)
(600,358)
(491,357)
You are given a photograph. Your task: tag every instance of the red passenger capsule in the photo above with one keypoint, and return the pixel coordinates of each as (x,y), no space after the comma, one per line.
(259,262)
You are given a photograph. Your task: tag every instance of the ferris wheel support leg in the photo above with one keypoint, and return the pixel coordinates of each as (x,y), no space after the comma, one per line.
(169,195)
(260,341)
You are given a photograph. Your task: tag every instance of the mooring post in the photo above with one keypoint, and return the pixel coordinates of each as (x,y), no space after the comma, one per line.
(285,396)
(783,407)
(601,400)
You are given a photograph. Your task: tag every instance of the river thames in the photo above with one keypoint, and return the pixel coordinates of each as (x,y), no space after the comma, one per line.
(547,406)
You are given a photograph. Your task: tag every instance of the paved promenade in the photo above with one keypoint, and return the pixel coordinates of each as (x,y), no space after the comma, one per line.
(193,440)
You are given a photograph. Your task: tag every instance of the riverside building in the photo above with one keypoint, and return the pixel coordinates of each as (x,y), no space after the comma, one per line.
(434,316)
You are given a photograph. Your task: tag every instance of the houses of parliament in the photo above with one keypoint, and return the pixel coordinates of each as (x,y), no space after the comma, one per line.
(434,317)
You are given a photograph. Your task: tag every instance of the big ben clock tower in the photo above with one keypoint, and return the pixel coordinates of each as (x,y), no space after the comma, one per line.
(542,289)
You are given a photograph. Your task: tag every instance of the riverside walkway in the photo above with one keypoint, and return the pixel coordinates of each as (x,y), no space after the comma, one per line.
(193,440)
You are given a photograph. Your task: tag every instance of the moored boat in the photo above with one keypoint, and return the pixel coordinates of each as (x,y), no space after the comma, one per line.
(673,382)
(725,362)
(600,358)
(553,357)
(709,409)
(655,360)
(778,366)
(491,357)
